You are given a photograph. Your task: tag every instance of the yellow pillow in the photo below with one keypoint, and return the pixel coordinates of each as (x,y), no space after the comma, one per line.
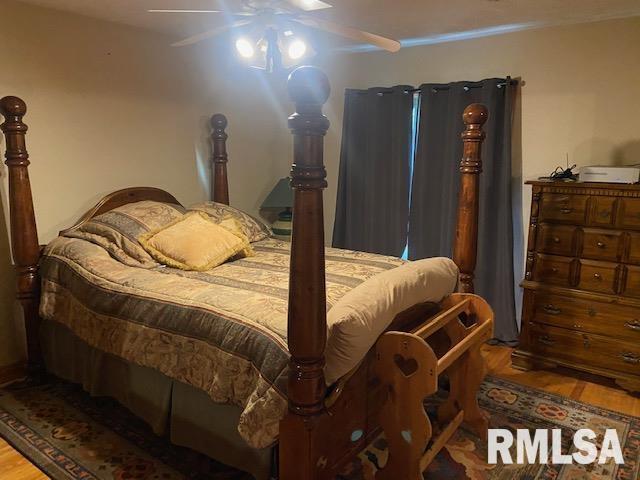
(231,224)
(193,242)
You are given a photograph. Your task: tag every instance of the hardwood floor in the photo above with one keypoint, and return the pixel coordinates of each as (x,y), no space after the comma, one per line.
(579,386)
(582,387)
(15,467)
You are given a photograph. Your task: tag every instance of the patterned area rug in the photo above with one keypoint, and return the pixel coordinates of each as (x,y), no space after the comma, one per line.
(69,435)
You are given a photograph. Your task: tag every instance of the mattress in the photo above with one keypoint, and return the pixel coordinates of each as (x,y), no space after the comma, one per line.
(222,331)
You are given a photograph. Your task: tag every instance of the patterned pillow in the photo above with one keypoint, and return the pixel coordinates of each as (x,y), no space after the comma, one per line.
(254,229)
(117,230)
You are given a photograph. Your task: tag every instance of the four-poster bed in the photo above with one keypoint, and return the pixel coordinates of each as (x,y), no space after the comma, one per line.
(323,426)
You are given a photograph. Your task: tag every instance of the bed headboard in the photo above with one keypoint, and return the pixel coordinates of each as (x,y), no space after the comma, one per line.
(123,197)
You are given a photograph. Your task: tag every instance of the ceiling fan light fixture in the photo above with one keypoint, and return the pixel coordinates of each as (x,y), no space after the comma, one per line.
(297,49)
(245,48)
(273,14)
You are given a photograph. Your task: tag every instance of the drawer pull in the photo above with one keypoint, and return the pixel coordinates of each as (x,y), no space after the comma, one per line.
(552,309)
(630,358)
(545,340)
(597,276)
(556,239)
(554,270)
(600,245)
(566,210)
(592,312)
(635,325)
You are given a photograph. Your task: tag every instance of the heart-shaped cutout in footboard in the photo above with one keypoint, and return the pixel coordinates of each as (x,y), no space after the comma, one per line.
(408,366)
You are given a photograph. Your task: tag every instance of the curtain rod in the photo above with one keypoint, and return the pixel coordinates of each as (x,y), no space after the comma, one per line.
(509,81)
(384,91)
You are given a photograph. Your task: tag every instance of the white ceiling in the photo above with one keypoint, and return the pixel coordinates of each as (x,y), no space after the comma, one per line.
(401,19)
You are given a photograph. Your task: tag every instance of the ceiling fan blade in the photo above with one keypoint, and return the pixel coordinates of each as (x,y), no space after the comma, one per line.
(308,5)
(183,11)
(209,33)
(385,43)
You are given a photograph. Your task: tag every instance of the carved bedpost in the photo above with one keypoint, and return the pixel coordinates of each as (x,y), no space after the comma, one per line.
(466,241)
(307,324)
(24,236)
(220,183)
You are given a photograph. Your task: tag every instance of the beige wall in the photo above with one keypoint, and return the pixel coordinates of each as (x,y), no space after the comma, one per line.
(112,107)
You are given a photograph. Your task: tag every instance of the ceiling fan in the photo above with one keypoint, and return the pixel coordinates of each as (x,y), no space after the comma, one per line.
(274,23)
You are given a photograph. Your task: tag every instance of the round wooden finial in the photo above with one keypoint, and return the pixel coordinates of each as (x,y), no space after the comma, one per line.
(475,114)
(308,85)
(219,121)
(12,106)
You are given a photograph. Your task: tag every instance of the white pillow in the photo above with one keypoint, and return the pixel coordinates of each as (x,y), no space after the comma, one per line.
(357,320)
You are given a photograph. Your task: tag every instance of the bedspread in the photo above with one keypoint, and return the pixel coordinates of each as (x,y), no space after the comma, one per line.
(222,331)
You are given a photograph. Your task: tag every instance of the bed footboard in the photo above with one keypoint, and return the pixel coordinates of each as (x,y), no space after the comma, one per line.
(409,369)
(316,438)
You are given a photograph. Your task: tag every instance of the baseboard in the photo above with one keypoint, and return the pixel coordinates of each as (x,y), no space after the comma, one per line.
(13,372)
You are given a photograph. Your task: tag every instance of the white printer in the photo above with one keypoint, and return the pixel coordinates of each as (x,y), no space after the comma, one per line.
(610,174)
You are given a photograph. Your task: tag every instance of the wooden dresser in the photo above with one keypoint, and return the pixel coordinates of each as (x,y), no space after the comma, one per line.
(581,304)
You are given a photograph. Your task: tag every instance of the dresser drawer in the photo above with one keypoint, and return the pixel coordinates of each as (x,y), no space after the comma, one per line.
(634,248)
(602,211)
(553,269)
(600,277)
(602,244)
(588,316)
(557,239)
(563,208)
(629,215)
(585,348)
(632,282)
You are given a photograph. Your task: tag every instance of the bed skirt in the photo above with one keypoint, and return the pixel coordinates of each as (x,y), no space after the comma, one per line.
(184,414)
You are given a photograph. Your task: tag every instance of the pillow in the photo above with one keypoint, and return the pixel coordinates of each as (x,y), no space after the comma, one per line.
(254,229)
(193,242)
(117,230)
(232,225)
(357,320)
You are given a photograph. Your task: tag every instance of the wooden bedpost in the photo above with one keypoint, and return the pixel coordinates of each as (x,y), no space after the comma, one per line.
(466,241)
(219,183)
(24,236)
(307,323)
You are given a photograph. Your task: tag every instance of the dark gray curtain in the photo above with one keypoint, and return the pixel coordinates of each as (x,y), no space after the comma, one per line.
(435,186)
(372,207)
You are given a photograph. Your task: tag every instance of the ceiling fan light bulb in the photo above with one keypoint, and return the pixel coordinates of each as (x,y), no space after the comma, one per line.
(297,49)
(245,48)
